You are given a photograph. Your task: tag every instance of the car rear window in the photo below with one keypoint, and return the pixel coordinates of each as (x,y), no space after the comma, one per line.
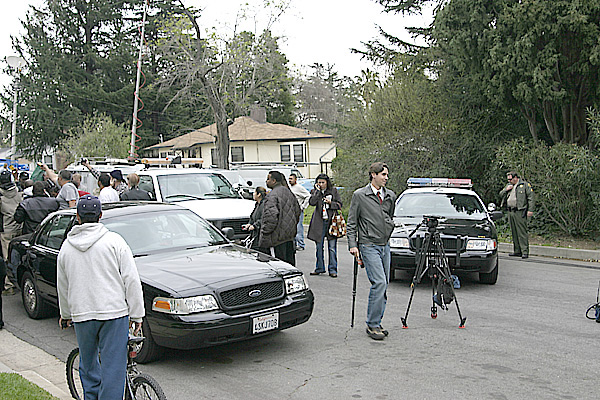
(449,205)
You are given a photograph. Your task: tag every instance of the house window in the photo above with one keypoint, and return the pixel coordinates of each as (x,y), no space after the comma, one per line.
(213,156)
(299,152)
(295,152)
(284,149)
(237,154)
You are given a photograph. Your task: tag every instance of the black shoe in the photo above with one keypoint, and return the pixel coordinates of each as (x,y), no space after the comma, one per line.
(333,275)
(375,333)
(515,254)
(316,273)
(524,256)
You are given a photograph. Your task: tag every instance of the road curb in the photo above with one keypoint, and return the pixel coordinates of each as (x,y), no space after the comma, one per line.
(555,252)
(33,364)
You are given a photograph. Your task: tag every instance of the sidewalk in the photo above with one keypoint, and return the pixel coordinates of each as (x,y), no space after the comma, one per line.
(48,372)
(555,252)
(34,364)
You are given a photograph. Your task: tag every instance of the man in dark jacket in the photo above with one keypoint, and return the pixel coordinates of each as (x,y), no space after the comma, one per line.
(32,211)
(280,218)
(370,225)
(134,192)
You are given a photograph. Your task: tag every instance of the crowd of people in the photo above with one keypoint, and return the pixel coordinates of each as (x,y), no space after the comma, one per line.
(24,203)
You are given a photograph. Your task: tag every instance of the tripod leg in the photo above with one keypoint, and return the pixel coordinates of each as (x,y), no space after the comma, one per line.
(412,292)
(462,320)
(433,306)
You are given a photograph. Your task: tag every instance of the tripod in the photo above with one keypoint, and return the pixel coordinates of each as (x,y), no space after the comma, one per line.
(431,260)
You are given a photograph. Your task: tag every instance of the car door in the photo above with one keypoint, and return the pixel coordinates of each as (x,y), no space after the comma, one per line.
(147,184)
(44,252)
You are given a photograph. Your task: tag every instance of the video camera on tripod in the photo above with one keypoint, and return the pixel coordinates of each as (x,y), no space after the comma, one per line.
(431,260)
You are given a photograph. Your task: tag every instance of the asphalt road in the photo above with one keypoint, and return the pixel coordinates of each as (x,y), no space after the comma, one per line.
(525,338)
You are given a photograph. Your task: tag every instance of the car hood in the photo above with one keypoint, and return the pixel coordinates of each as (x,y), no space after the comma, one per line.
(464,227)
(191,272)
(216,209)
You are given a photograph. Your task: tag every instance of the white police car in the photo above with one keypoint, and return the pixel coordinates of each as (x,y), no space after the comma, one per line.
(466,227)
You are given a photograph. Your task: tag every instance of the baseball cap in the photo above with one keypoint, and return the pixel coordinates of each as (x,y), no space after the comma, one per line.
(89,206)
(5,177)
(117,174)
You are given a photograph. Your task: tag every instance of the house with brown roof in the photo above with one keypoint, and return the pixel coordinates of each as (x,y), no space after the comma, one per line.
(252,141)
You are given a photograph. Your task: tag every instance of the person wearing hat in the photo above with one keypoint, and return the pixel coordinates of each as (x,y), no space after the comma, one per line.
(22,183)
(10,197)
(100,294)
(117,181)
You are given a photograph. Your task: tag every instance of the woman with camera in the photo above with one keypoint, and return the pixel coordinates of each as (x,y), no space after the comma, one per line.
(327,202)
(253,225)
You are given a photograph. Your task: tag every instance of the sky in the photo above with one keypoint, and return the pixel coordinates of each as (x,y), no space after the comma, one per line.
(313,31)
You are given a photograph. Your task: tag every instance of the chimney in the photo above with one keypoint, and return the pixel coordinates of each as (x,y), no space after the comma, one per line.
(259,114)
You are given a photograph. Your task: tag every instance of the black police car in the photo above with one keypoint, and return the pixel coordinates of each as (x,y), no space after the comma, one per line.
(199,288)
(464,225)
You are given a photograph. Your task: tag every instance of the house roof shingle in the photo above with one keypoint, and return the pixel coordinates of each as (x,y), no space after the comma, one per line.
(243,128)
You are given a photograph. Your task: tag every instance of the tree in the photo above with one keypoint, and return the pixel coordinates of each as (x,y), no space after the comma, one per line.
(324,99)
(233,74)
(406,124)
(97,136)
(81,60)
(539,57)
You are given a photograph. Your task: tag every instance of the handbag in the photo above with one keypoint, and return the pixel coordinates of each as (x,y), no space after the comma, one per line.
(338,225)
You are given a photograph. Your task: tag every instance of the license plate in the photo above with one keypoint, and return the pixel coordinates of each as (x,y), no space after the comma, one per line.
(265,323)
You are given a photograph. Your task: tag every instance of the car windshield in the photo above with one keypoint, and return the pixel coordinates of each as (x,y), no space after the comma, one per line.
(448,205)
(164,230)
(181,187)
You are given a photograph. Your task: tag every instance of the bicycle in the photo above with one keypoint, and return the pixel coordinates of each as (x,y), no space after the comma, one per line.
(596,307)
(138,386)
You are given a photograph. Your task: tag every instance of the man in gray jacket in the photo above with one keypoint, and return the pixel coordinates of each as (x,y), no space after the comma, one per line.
(10,197)
(280,218)
(100,292)
(370,225)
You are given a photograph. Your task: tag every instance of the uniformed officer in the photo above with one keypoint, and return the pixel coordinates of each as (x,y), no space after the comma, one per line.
(520,201)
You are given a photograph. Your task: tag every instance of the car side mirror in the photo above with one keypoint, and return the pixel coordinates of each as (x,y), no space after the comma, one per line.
(249,183)
(228,232)
(496,215)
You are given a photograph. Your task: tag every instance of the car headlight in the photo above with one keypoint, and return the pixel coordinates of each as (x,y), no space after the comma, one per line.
(482,244)
(295,284)
(187,305)
(399,243)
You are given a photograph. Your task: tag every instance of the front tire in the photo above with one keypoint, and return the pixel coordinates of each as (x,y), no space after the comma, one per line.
(35,306)
(149,351)
(72,370)
(489,278)
(145,387)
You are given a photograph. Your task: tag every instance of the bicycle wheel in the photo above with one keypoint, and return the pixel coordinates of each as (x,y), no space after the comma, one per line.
(592,308)
(145,387)
(73,380)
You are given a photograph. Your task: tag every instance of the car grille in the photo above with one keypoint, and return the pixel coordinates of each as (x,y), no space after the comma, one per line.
(449,244)
(236,224)
(240,297)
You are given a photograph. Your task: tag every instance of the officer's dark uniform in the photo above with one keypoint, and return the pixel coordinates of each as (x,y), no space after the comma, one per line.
(517,216)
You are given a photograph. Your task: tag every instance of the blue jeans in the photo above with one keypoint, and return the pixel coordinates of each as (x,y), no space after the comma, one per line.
(299,239)
(331,247)
(376,260)
(104,380)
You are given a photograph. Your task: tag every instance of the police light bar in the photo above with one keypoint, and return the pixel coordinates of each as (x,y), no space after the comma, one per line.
(439,182)
(171,160)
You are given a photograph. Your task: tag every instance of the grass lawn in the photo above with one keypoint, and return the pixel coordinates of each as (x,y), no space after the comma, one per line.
(14,386)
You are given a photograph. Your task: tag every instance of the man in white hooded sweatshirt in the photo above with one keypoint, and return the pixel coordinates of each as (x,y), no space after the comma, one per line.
(100,292)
